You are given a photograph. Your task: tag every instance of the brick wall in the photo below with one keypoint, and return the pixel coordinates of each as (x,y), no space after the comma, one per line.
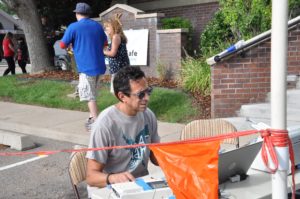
(237,81)
(199,15)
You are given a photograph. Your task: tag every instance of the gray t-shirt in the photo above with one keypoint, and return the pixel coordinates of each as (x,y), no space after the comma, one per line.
(114,128)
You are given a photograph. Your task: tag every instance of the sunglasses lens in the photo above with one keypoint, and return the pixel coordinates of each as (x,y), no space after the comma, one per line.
(142,94)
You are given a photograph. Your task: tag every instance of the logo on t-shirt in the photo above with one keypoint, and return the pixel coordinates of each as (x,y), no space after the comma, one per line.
(138,154)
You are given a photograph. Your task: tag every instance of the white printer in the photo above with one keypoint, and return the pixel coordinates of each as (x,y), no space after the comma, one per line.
(152,189)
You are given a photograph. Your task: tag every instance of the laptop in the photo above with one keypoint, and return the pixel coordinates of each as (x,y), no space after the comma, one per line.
(237,161)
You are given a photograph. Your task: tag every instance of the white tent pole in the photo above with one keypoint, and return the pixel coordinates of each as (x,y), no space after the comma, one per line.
(278,91)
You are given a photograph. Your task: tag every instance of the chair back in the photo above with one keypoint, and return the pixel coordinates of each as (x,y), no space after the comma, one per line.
(77,170)
(209,127)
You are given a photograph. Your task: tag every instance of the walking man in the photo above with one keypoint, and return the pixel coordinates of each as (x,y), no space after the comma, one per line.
(88,39)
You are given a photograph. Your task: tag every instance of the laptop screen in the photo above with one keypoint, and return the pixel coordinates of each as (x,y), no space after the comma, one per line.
(237,161)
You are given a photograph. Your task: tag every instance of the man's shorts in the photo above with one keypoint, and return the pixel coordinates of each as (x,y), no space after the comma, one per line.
(87,87)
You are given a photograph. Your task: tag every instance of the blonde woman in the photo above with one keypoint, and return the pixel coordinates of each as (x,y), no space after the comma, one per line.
(116,50)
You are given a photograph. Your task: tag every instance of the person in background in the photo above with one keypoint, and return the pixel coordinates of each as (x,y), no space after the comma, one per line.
(8,53)
(125,123)
(88,40)
(116,52)
(22,54)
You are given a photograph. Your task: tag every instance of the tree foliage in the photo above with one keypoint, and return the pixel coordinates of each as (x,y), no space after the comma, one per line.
(237,20)
(62,15)
(246,17)
(5,8)
(294,8)
(215,34)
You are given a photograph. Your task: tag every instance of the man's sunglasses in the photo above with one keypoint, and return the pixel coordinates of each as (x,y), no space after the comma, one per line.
(142,94)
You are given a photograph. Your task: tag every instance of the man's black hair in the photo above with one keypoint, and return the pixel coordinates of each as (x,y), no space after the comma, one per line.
(122,79)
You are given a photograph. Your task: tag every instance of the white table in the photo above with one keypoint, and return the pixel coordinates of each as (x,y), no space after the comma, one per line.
(257,185)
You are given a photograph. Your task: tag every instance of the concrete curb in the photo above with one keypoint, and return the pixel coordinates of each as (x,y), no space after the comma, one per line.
(16,141)
(43,132)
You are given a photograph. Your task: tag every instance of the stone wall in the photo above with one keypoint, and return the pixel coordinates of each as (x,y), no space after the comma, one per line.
(170,49)
(241,80)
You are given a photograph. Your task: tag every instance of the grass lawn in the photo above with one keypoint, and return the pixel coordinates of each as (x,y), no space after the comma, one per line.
(169,105)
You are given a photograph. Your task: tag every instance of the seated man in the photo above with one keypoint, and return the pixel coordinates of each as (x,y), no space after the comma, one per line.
(125,123)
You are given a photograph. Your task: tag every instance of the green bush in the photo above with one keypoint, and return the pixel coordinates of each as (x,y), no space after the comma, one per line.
(195,75)
(246,18)
(215,36)
(236,20)
(179,22)
(176,22)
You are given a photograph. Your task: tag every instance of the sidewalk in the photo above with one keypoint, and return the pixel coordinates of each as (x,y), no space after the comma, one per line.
(66,125)
(63,125)
(3,67)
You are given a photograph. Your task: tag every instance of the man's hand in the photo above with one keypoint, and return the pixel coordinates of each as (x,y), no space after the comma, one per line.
(121,177)
(96,178)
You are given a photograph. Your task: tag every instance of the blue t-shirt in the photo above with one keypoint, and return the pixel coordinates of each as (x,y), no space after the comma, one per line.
(87,38)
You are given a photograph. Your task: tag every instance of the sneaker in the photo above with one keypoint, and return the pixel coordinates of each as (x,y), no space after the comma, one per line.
(88,124)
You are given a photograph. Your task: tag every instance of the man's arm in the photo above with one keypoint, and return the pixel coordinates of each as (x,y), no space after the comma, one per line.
(115,43)
(96,178)
(62,45)
(67,38)
(153,159)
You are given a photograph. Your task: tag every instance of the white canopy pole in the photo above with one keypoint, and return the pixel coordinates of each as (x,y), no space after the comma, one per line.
(278,91)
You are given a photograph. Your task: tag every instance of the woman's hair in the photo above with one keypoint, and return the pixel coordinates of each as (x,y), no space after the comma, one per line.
(116,27)
(8,35)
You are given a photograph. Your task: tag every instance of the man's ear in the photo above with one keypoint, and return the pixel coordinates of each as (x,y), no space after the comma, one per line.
(121,96)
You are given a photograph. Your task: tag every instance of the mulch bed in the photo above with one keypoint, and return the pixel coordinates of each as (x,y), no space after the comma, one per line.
(200,101)
(52,75)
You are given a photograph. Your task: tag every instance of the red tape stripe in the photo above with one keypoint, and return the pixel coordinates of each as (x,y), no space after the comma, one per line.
(196,140)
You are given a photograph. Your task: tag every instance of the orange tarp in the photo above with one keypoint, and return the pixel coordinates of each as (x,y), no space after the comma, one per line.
(191,169)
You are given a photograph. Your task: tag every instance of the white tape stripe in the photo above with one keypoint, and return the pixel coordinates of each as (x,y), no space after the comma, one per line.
(22,162)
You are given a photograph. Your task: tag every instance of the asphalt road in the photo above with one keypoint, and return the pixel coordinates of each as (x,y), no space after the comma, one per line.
(44,178)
